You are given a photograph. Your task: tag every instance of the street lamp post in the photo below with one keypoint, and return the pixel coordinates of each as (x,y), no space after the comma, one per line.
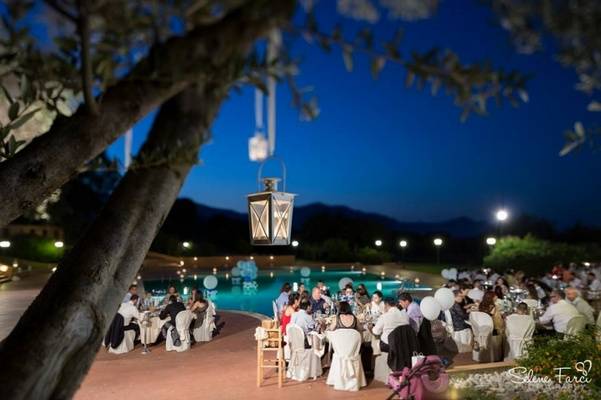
(403,244)
(438,243)
(501,216)
(378,243)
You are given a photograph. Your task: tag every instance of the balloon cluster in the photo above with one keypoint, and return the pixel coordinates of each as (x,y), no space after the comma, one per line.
(432,306)
(247,269)
(449,274)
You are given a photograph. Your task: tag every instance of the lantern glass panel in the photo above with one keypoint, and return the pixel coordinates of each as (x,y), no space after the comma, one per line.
(259,216)
(282,215)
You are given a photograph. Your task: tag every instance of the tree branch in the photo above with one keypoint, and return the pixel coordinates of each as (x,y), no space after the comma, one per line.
(53,158)
(87,78)
(56,6)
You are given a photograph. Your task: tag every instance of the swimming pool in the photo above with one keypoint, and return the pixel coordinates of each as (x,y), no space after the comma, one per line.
(256,296)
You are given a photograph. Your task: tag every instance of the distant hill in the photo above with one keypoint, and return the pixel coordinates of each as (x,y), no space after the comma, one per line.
(461,227)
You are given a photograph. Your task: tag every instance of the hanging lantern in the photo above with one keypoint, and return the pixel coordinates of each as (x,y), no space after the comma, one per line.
(270,214)
(258,147)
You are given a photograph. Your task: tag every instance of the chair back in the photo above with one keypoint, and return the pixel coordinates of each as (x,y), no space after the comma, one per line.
(276,314)
(183,320)
(346,343)
(575,325)
(449,321)
(520,329)
(296,337)
(482,326)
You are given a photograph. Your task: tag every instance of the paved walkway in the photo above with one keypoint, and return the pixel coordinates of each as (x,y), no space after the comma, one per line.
(223,369)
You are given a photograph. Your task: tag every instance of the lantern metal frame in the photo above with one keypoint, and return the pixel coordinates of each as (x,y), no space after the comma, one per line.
(270,217)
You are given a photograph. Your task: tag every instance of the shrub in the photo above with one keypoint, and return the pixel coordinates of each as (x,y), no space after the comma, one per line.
(545,354)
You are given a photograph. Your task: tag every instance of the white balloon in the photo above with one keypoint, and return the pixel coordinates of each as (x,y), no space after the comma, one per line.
(453,273)
(343,282)
(445,273)
(305,272)
(210,282)
(430,308)
(236,271)
(445,297)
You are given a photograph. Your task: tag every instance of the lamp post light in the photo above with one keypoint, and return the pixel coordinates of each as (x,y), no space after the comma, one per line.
(438,243)
(403,244)
(186,245)
(378,243)
(501,216)
(5,244)
(295,243)
(59,244)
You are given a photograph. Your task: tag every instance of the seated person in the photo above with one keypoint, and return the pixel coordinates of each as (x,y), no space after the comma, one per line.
(133,289)
(147,302)
(282,301)
(391,318)
(376,307)
(361,295)
(173,308)
(593,282)
(413,311)
(459,315)
(318,303)
(199,307)
(195,295)
(302,317)
(348,294)
(573,297)
(560,312)
(323,288)
(488,306)
(171,291)
(345,319)
(129,312)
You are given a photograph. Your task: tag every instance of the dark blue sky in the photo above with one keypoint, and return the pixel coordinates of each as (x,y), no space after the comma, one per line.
(378,146)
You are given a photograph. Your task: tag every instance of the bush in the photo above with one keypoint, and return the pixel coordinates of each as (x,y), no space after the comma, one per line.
(368,255)
(535,256)
(35,249)
(337,250)
(545,354)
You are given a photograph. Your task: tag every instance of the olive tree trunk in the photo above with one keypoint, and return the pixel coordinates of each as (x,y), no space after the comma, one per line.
(53,158)
(53,345)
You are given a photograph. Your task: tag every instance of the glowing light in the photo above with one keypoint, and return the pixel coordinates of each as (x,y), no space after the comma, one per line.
(252,258)
(378,243)
(403,243)
(379,286)
(227,258)
(186,290)
(271,257)
(352,267)
(3,268)
(195,258)
(397,277)
(491,241)
(133,283)
(416,281)
(587,264)
(227,276)
(59,245)
(555,276)
(271,274)
(139,277)
(15,264)
(438,242)
(214,271)
(502,215)
(382,274)
(323,268)
(295,287)
(295,243)
(184,270)
(186,245)
(195,277)
(181,262)
(5,244)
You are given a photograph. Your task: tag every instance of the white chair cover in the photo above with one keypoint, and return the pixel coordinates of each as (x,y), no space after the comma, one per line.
(182,321)
(127,344)
(482,326)
(381,368)
(276,314)
(575,325)
(519,329)
(204,333)
(346,371)
(304,363)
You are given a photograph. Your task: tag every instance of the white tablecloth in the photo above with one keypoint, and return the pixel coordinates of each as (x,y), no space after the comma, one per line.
(149,331)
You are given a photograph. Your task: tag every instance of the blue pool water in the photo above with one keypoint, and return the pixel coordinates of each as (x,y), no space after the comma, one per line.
(234,296)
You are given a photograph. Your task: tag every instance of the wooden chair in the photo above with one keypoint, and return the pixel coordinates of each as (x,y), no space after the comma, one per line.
(273,346)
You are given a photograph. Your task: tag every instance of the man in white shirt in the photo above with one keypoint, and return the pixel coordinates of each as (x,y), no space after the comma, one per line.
(573,297)
(476,294)
(129,311)
(302,317)
(387,322)
(560,312)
